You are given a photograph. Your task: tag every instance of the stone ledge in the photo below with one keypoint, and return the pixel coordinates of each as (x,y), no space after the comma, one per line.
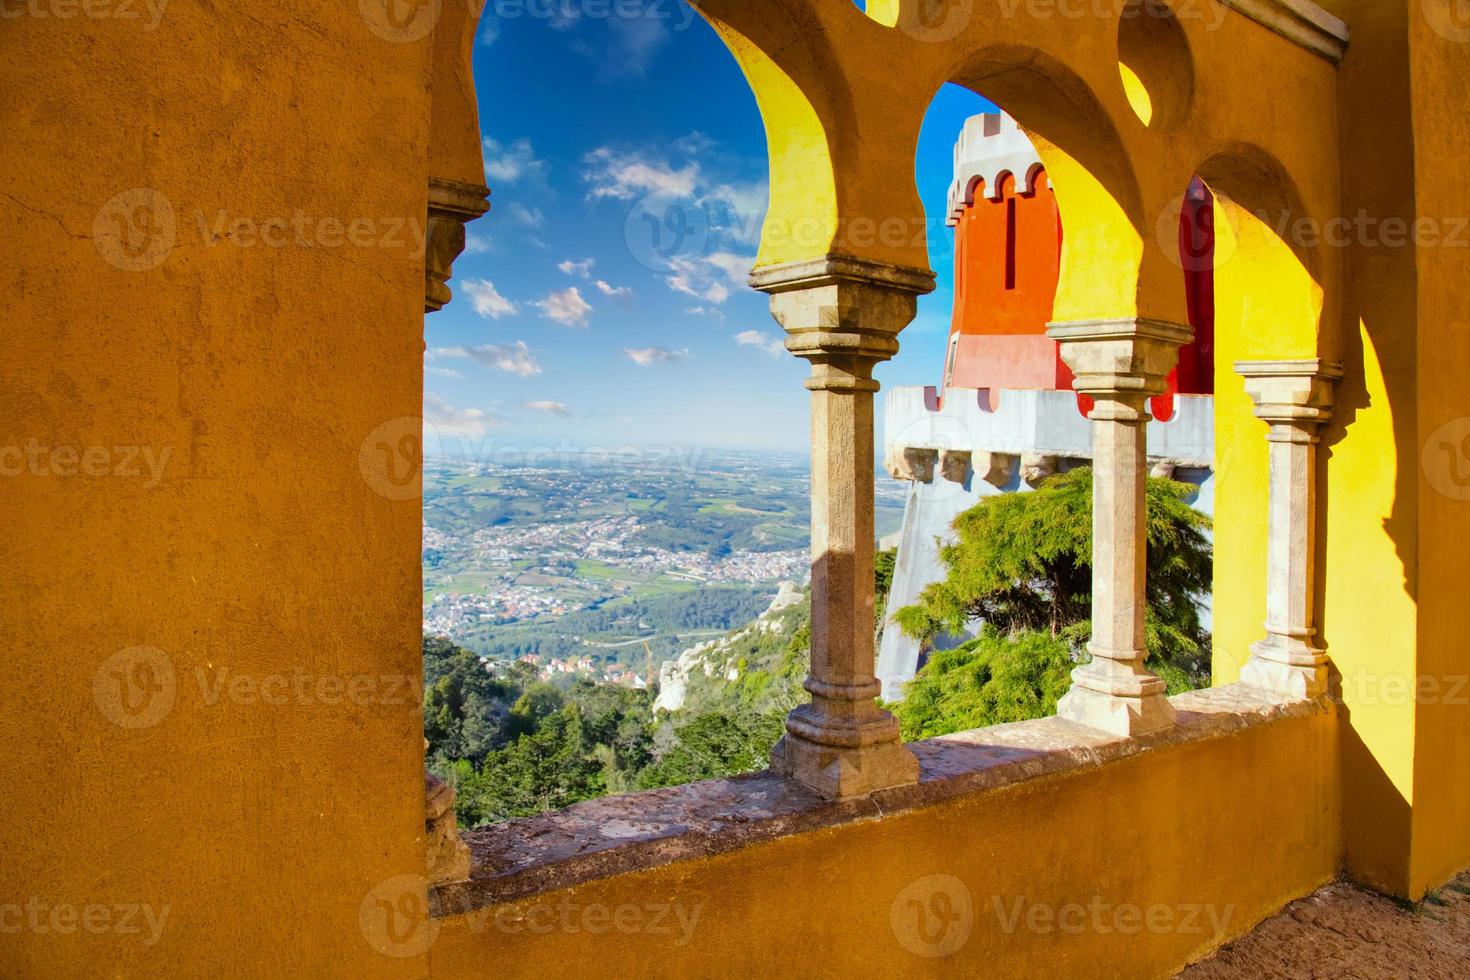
(1299,21)
(828,269)
(622,834)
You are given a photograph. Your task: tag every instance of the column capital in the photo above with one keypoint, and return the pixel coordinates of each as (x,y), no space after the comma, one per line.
(452,205)
(1291,393)
(842,314)
(1126,359)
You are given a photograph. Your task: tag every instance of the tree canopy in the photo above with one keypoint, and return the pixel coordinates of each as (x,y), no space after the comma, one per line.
(990,681)
(1023,562)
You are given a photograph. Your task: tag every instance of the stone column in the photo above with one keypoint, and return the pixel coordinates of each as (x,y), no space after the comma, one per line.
(843,315)
(1294,398)
(1121,364)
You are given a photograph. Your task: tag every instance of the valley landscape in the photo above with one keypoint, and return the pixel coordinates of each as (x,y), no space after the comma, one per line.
(604,566)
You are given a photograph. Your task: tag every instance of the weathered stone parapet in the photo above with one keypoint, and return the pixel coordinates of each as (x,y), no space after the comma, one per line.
(452,205)
(1121,364)
(598,839)
(1294,398)
(843,315)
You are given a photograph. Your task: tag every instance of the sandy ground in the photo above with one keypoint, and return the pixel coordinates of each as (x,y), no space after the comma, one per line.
(1343,931)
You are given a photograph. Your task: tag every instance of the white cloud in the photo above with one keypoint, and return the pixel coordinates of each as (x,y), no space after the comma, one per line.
(487,299)
(773,346)
(623,46)
(646,356)
(627,174)
(692,278)
(582,268)
(530,217)
(616,292)
(743,206)
(442,372)
(550,408)
(715,219)
(451,421)
(706,311)
(508,163)
(565,307)
(563,17)
(737,267)
(634,42)
(514,357)
(693,144)
(476,245)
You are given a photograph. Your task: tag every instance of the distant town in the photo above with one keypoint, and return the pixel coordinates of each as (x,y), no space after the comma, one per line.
(603,570)
(608,541)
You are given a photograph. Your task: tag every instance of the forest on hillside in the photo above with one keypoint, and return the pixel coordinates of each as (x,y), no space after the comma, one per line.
(514,746)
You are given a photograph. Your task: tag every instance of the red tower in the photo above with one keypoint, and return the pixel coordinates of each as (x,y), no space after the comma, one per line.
(1008,243)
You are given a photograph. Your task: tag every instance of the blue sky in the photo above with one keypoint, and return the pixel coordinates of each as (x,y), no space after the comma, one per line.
(602,301)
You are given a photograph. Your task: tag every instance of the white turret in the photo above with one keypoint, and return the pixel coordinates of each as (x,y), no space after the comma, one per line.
(991,146)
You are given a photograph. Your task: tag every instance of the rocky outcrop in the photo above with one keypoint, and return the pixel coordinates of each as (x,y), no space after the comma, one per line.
(719,657)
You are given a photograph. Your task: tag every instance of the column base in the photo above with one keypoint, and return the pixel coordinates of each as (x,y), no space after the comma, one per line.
(1296,682)
(1117,714)
(843,772)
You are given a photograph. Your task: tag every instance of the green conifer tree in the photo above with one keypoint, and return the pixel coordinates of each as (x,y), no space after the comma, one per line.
(1022,564)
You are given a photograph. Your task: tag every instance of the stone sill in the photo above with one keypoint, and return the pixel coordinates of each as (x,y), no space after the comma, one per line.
(622,834)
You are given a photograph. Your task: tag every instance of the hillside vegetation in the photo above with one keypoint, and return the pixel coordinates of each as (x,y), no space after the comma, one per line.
(515,746)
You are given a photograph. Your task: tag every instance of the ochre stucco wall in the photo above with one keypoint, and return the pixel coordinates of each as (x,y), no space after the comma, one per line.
(1368,589)
(1392,565)
(252,830)
(1209,824)
(1439,51)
